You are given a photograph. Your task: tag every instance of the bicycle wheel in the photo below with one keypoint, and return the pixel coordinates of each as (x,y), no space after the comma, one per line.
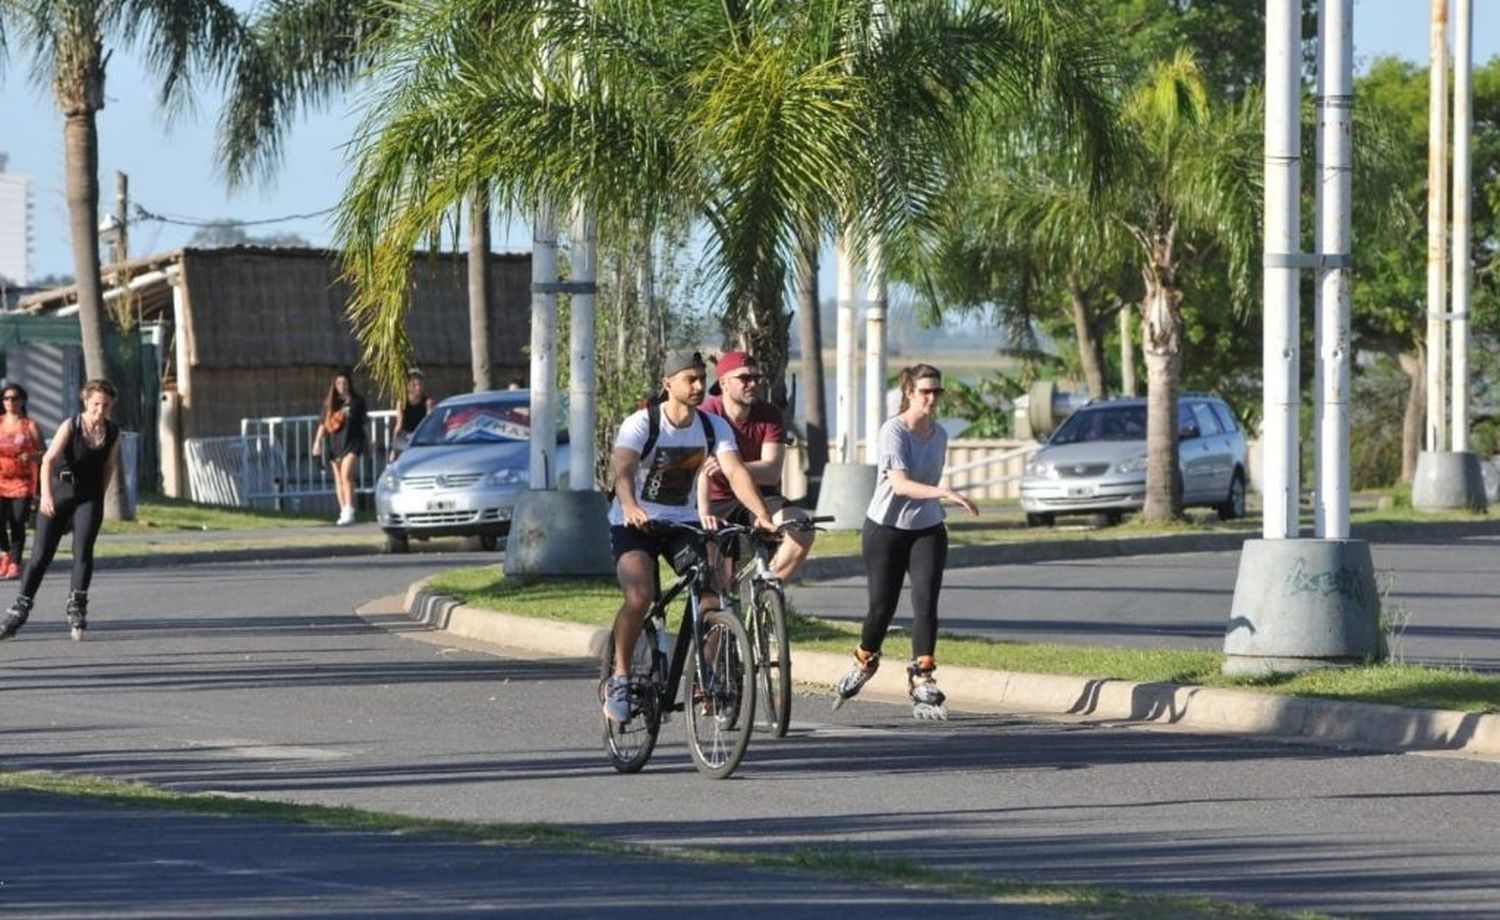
(721,714)
(629,744)
(773,658)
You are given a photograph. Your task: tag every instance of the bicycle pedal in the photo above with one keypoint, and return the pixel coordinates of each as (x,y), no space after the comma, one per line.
(929,712)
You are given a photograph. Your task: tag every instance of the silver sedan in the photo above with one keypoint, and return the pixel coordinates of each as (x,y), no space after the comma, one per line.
(466,466)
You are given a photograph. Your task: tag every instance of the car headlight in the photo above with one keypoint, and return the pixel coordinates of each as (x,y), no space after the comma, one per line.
(390,481)
(1133,465)
(1041,469)
(508,476)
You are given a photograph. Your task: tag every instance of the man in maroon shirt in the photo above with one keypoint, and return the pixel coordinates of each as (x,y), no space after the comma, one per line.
(761,436)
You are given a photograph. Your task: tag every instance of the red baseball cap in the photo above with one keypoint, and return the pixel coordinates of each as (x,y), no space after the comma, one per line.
(729,362)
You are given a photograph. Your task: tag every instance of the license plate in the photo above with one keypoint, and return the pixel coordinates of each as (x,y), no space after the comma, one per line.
(442,504)
(1080,491)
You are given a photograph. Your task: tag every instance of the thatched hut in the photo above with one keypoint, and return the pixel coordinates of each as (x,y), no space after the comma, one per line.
(250,331)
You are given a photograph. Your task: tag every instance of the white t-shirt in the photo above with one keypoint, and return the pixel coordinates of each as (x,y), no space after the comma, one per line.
(666,480)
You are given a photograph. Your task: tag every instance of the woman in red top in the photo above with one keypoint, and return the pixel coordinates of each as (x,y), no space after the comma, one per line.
(20,459)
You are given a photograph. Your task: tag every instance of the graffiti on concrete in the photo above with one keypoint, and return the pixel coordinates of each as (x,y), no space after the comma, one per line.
(1345,581)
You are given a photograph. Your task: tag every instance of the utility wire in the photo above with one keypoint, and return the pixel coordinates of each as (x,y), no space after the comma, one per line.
(141,214)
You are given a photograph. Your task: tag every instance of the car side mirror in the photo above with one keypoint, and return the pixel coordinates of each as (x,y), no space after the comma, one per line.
(1187,433)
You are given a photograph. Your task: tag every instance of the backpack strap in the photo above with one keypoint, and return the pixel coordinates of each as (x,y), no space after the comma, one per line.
(709,440)
(653,429)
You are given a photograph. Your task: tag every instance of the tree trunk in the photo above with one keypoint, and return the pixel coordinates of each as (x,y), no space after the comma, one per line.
(81,167)
(811,328)
(479,289)
(1090,350)
(767,338)
(1162,343)
(1415,368)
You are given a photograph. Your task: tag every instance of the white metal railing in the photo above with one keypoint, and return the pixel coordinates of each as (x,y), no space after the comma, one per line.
(271,461)
(981,468)
(289,438)
(988,469)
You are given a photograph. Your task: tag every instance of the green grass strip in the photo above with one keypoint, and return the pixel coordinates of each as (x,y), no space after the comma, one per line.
(843,863)
(593,601)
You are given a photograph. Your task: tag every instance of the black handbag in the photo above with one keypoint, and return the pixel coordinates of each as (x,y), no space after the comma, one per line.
(64,488)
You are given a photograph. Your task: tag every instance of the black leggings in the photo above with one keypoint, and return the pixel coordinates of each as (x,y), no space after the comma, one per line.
(87,515)
(889,552)
(13,512)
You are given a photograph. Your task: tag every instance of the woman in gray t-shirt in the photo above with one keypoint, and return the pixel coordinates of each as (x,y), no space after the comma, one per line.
(904,532)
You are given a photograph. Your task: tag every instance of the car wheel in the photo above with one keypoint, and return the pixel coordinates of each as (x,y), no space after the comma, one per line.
(1109,518)
(1040,520)
(397,543)
(489,543)
(1234,505)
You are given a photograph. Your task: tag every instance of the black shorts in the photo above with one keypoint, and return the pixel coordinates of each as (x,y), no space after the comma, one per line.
(658,544)
(730,509)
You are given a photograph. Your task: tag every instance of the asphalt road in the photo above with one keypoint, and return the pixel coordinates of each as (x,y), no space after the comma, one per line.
(1444,596)
(257,680)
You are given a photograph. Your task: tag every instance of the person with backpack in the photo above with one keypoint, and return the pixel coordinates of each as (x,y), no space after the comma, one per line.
(76,470)
(658,455)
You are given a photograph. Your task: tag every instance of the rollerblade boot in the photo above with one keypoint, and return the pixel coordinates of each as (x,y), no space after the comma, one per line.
(15,617)
(864,667)
(78,612)
(927,701)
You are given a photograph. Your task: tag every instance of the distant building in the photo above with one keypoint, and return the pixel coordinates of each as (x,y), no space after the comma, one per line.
(15,227)
(251,331)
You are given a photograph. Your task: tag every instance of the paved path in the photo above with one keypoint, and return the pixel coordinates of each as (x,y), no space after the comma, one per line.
(257,680)
(1446,596)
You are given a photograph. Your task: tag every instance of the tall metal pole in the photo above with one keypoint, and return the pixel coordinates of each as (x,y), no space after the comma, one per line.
(582,388)
(1283,172)
(1335,168)
(1463,129)
(1437,220)
(543,342)
(875,312)
(846,397)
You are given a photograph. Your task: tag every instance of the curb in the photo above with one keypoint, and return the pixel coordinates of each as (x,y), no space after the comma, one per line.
(253,554)
(1202,709)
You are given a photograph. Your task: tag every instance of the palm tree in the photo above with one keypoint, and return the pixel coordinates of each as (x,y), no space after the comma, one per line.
(1185,187)
(69,42)
(757,118)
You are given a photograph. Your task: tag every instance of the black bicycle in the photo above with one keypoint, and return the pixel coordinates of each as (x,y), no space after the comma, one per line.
(762,602)
(712,656)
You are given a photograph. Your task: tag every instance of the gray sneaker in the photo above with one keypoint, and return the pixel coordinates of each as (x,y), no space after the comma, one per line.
(855,678)
(617,699)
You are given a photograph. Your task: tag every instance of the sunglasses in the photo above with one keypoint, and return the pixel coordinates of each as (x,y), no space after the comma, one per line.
(934,392)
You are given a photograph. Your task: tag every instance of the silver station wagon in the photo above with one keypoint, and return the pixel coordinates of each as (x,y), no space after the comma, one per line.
(467,464)
(1095,462)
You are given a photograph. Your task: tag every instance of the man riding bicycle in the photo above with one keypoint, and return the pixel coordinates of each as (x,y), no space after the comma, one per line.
(760,434)
(658,456)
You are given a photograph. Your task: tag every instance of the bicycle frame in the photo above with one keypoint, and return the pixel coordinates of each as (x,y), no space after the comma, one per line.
(690,629)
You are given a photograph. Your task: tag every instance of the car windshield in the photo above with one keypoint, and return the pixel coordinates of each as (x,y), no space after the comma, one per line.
(1105,423)
(475,423)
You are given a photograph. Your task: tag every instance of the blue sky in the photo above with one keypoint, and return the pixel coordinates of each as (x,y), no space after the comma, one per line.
(172,168)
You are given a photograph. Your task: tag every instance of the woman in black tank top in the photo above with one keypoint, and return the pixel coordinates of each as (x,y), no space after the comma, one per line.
(410,411)
(76,471)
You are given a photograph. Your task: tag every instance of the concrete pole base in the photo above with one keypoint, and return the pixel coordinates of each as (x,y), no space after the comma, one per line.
(1448,480)
(1303,604)
(845,494)
(559,533)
